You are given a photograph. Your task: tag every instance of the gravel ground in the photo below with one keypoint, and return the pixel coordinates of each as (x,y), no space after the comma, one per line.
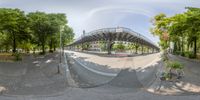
(32,76)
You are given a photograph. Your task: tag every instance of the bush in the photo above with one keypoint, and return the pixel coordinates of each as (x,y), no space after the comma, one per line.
(183,54)
(190,55)
(165,58)
(174,65)
(17,56)
(177,52)
(41,53)
(186,54)
(167,76)
(119,47)
(51,51)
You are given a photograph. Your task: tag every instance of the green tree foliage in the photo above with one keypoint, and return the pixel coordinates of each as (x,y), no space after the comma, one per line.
(67,35)
(14,25)
(4,42)
(41,27)
(103,45)
(86,46)
(119,46)
(32,31)
(183,30)
(57,22)
(161,23)
(193,29)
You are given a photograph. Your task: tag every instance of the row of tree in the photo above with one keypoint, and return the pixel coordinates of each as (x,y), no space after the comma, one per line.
(117,46)
(32,31)
(181,31)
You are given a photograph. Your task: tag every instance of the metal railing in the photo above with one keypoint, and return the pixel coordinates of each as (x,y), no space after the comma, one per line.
(114,30)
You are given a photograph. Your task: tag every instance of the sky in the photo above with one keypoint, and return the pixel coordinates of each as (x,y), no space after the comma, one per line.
(90,15)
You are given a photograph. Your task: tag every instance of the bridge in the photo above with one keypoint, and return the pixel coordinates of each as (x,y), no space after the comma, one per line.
(109,35)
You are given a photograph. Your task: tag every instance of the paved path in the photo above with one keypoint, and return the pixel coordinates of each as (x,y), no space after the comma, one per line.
(112,91)
(102,94)
(91,70)
(113,64)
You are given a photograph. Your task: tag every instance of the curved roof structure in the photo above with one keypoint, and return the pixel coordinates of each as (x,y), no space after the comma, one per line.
(115,34)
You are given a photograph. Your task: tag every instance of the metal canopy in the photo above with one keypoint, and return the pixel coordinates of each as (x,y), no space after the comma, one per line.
(115,34)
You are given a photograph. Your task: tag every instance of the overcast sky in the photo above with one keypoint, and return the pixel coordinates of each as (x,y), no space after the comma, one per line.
(90,15)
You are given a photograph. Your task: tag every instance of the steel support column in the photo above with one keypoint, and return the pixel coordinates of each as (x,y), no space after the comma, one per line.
(109,46)
(142,49)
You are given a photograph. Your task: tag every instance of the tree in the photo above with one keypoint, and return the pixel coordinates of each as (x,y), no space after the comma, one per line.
(67,36)
(57,21)
(136,47)
(177,30)
(33,31)
(41,27)
(4,42)
(161,24)
(181,28)
(102,45)
(119,46)
(130,47)
(14,25)
(193,21)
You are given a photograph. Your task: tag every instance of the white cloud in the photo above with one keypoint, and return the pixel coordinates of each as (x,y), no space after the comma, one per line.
(141,10)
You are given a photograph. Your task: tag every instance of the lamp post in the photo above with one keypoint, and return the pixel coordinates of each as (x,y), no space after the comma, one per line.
(58,70)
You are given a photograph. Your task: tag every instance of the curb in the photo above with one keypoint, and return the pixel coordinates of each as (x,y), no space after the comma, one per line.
(95,71)
(193,60)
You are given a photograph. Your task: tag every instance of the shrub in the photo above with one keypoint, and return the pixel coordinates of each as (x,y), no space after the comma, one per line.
(165,58)
(17,56)
(51,51)
(174,65)
(183,54)
(190,54)
(167,76)
(187,54)
(177,52)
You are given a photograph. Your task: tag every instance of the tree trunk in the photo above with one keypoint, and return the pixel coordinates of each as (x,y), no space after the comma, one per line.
(108,47)
(182,46)
(63,48)
(33,50)
(14,43)
(7,48)
(54,47)
(175,47)
(43,50)
(51,45)
(142,49)
(188,46)
(179,46)
(195,47)
(43,43)
(136,50)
